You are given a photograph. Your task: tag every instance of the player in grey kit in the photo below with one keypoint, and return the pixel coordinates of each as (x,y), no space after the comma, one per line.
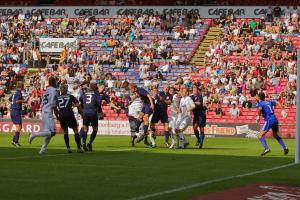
(48,122)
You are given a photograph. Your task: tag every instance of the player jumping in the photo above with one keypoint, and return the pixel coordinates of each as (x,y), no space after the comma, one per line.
(48,123)
(148,107)
(16,112)
(266,108)
(135,106)
(67,119)
(199,120)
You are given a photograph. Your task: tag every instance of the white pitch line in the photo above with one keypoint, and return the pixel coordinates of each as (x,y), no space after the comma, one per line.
(61,154)
(147,196)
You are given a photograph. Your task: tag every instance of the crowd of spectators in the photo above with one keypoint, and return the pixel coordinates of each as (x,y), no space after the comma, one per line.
(253,55)
(249,55)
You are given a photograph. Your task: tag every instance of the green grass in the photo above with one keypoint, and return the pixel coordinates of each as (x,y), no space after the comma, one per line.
(116,171)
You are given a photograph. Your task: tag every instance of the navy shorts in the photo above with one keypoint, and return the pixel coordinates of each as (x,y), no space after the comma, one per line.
(16,117)
(271,124)
(200,120)
(159,116)
(147,109)
(68,122)
(90,120)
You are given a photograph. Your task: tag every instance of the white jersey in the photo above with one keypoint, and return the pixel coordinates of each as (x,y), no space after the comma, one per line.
(49,100)
(186,104)
(135,107)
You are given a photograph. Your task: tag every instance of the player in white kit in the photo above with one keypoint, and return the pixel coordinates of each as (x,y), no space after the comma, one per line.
(48,122)
(134,110)
(173,118)
(184,118)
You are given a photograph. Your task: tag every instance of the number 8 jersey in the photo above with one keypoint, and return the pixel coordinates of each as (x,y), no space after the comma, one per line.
(49,100)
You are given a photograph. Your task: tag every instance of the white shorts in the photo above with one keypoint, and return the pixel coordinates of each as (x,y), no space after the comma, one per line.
(48,122)
(182,122)
(134,109)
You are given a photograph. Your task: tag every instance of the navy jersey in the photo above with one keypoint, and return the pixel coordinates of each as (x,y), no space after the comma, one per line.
(143,94)
(91,101)
(65,103)
(160,101)
(199,109)
(267,108)
(14,98)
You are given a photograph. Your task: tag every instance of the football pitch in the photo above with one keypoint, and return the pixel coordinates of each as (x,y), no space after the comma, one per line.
(116,171)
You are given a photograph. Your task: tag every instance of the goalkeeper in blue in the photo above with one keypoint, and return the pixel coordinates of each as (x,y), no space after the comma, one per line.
(266,109)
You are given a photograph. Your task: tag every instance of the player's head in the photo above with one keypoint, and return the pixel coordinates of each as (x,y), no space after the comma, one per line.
(101,88)
(132,87)
(63,88)
(184,91)
(20,85)
(125,85)
(261,96)
(166,88)
(195,90)
(52,81)
(93,85)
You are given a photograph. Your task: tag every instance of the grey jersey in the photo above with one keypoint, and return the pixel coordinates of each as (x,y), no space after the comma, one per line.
(49,100)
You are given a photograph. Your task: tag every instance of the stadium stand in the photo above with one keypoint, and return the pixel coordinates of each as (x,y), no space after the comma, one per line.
(230,58)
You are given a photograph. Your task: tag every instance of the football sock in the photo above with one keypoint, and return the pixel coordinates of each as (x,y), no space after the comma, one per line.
(264,142)
(138,124)
(152,139)
(77,140)
(280,141)
(93,136)
(201,138)
(81,132)
(67,141)
(167,135)
(45,143)
(146,129)
(16,137)
(196,132)
(84,137)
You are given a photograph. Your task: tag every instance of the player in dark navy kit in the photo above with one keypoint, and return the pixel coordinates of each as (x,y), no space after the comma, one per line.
(16,112)
(148,107)
(162,100)
(90,101)
(65,103)
(199,113)
(266,108)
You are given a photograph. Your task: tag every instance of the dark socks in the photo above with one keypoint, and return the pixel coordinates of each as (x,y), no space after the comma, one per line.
(67,141)
(146,129)
(16,137)
(93,136)
(201,138)
(84,137)
(167,135)
(196,132)
(280,141)
(264,142)
(81,132)
(77,140)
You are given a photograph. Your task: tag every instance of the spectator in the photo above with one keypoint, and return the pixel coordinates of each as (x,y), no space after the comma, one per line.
(218,110)
(234,111)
